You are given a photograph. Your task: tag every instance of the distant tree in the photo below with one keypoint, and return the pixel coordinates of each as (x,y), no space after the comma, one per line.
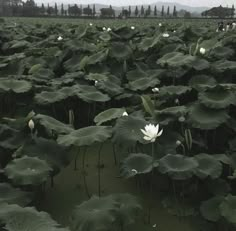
(129,11)
(142,10)
(87,11)
(168,11)
(55,9)
(148,11)
(162,11)
(42,10)
(74,10)
(174,12)
(155,11)
(125,13)
(187,14)
(30,9)
(50,10)
(107,12)
(62,9)
(136,11)
(94,10)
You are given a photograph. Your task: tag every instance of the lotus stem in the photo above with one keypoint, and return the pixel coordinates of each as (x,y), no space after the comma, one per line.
(84,173)
(183,148)
(52,181)
(89,114)
(76,157)
(99,170)
(114,153)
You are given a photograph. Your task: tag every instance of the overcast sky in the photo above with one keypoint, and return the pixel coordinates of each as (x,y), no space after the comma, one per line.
(208,3)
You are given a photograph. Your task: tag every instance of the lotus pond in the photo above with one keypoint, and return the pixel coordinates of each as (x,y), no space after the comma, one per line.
(118,126)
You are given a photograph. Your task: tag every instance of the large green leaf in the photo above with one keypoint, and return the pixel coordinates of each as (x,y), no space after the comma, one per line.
(86,136)
(227,209)
(120,51)
(17,86)
(108,115)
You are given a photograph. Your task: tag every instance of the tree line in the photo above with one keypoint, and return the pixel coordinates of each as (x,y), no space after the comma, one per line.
(30,8)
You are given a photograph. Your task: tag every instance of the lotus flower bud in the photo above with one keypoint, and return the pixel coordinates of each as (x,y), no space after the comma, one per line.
(178,142)
(90,24)
(160,24)
(177,101)
(155,90)
(202,51)
(165,35)
(95,82)
(108,29)
(125,114)
(104,28)
(181,119)
(59,38)
(132,27)
(31,124)
(134,171)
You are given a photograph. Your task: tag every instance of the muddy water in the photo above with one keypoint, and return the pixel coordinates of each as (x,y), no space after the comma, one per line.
(68,191)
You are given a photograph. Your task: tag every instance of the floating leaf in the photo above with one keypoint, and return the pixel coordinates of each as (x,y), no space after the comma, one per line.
(120,51)
(27,171)
(17,86)
(227,209)
(201,82)
(137,163)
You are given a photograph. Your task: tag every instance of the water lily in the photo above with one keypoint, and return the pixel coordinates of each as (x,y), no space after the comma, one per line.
(181,119)
(132,27)
(59,38)
(202,50)
(104,28)
(151,132)
(125,114)
(95,82)
(160,24)
(178,143)
(165,35)
(108,29)
(155,90)
(90,24)
(31,124)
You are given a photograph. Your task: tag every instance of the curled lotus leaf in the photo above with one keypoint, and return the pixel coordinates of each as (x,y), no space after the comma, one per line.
(148,42)
(177,166)
(120,51)
(16,218)
(206,118)
(16,86)
(86,136)
(208,166)
(217,98)
(227,209)
(143,83)
(95,96)
(11,195)
(201,82)
(210,209)
(98,213)
(96,77)
(108,115)
(53,126)
(137,163)
(27,171)
(105,36)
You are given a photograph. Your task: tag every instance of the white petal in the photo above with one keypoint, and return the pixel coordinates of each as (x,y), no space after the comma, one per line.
(147,138)
(144,132)
(160,133)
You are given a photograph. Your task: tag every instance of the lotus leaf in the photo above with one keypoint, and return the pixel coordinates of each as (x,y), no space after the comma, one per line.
(86,136)
(95,96)
(218,187)
(120,51)
(129,208)
(208,166)
(177,166)
(217,98)
(136,74)
(127,131)
(27,171)
(95,214)
(175,111)
(210,208)
(11,195)
(108,115)
(206,118)
(105,36)
(149,42)
(173,90)
(224,65)
(97,57)
(17,218)
(143,83)
(222,52)
(201,82)
(96,76)
(53,126)
(227,209)
(137,163)
(17,86)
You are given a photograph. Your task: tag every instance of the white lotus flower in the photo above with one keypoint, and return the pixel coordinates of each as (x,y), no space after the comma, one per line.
(104,28)
(154,226)
(108,29)
(165,35)
(155,90)
(223,29)
(227,28)
(31,124)
(151,132)
(59,38)
(125,114)
(181,119)
(90,24)
(174,31)
(160,24)
(95,82)
(202,51)
(132,27)
(134,171)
